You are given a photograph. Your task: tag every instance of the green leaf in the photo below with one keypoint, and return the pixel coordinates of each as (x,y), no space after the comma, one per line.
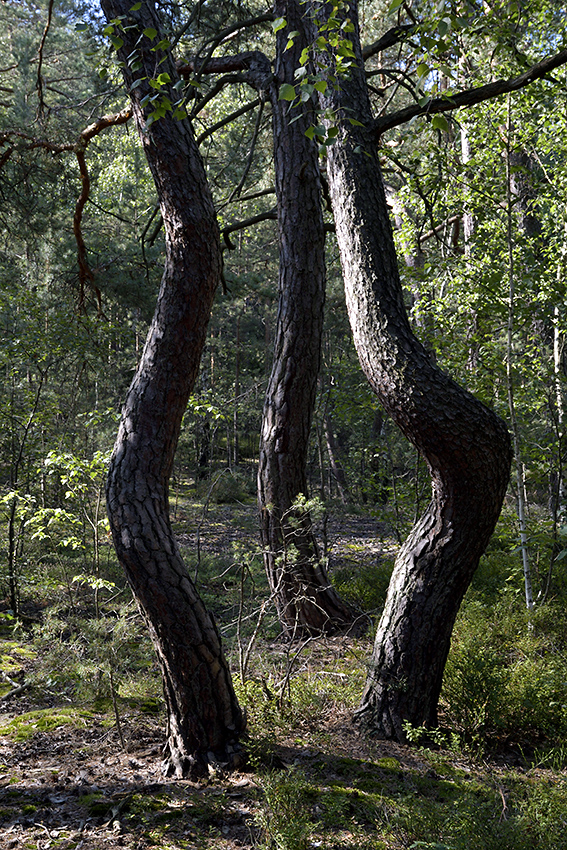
(150,33)
(439,122)
(332,132)
(117,42)
(355,123)
(137,83)
(422,69)
(163,78)
(135,7)
(81,27)
(310,132)
(394,6)
(286,92)
(321,86)
(279,24)
(108,30)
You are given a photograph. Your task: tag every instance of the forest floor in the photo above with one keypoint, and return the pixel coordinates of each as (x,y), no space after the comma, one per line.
(71,779)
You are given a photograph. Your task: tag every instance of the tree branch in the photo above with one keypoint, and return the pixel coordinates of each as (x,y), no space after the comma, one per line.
(240,25)
(39,82)
(247,222)
(393,36)
(218,86)
(79,147)
(238,189)
(469,97)
(232,117)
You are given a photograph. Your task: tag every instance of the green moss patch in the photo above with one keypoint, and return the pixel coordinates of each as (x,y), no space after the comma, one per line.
(22,728)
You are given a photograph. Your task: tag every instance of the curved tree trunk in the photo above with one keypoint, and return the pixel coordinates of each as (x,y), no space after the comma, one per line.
(465,445)
(305,599)
(203,716)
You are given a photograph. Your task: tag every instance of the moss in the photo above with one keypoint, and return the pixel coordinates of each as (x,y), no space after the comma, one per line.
(26,725)
(388,763)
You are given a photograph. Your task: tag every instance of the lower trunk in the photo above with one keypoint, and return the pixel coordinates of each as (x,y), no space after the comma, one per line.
(305,599)
(465,445)
(203,716)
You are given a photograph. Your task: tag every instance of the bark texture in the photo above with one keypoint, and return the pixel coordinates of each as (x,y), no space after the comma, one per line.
(465,445)
(203,716)
(305,599)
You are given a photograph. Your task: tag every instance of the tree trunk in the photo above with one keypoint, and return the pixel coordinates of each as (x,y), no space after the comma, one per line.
(305,599)
(203,716)
(334,460)
(465,445)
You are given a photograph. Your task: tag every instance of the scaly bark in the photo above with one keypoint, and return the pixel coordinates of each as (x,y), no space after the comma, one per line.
(465,445)
(203,716)
(305,599)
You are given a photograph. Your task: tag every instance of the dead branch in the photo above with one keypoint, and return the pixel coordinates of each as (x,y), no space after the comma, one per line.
(39,82)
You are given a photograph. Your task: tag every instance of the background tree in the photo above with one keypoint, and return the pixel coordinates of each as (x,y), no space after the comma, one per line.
(305,599)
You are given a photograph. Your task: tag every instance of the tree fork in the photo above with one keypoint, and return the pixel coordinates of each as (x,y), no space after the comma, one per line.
(204,720)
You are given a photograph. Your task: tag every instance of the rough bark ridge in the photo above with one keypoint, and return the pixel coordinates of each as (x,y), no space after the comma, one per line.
(204,719)
(465,445)
(305,599)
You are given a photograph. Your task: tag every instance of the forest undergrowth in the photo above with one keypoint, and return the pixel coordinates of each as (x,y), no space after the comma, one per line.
(82,725)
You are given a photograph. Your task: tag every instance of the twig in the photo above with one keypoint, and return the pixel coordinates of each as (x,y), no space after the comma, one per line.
(15,691)
(238,189)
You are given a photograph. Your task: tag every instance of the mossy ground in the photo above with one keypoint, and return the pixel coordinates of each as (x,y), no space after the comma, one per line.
(68,780)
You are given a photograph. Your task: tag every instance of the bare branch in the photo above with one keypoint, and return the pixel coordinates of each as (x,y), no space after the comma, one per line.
(106,121)
(218,86)
(240,25)
(86,276)
(39,82)
(238,189)
(227,120)
(247,222)
(469,97)
(194,14)
(393,36)
(216,65)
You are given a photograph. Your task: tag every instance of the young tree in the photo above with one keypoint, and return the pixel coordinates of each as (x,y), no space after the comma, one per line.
(204,719)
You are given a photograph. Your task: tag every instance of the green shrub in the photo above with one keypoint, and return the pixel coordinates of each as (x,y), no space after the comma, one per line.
(364,585)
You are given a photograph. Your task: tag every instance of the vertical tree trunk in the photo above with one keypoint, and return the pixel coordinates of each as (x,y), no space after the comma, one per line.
(305,599)
(334,460)
(465,445)
(203,716)
(521,501)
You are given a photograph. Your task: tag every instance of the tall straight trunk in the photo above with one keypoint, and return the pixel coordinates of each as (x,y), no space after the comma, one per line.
(465,445)
(334,460)
(305,599)
(203,716)
(521,500)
